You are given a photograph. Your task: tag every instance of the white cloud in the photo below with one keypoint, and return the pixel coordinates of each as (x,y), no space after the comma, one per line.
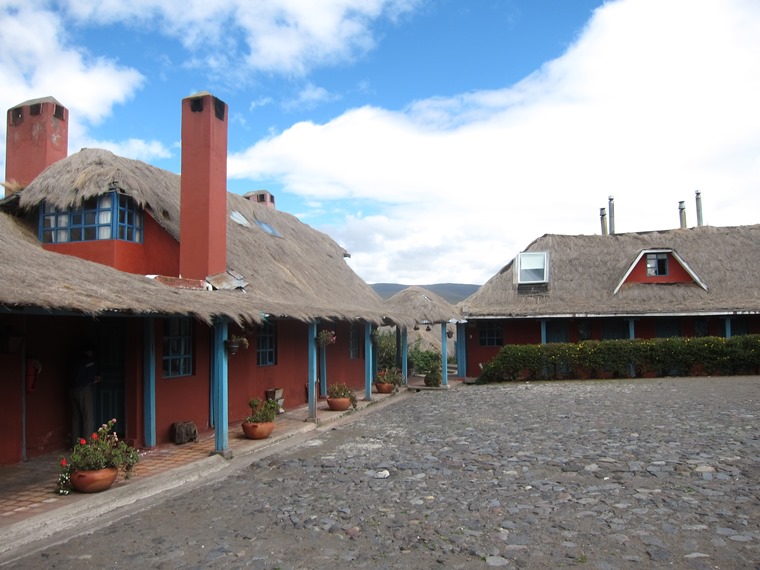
(309,97)
(137,149)
(37,61)
(657,98)
(280,36)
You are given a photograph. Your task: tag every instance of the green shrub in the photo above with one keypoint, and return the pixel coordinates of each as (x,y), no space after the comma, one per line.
(625,358)
(421,361)
(434,377)
(386,349)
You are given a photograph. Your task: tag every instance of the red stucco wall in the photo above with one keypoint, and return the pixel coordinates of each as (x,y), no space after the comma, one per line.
(158,254)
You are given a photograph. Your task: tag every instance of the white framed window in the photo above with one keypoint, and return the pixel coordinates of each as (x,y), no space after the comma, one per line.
(657,264)
(533,267)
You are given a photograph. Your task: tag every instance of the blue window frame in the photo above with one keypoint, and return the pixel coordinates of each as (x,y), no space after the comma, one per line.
(266,349)
(109,216)
(354,334)
(489,333)
(178,347)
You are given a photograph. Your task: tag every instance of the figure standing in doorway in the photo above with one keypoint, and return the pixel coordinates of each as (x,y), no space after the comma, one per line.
(86,375)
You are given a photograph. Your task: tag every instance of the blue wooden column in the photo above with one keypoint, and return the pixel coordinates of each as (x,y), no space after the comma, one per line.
(368,352)
(149,381)
(405,356)
(312,371)
(728,327)
(219,389)
(631,329)
(543,331)
(444,355)
(462,349)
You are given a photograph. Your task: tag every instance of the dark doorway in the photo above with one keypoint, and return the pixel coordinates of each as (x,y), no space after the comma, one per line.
(109,394)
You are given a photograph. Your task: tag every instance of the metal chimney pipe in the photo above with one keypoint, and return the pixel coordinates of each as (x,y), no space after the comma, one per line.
(682,214)
(603,216)
(699,208)
(612,215)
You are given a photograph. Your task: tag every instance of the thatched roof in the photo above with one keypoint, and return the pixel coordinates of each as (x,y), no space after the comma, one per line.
(423,306)
(301,273)
(585,271)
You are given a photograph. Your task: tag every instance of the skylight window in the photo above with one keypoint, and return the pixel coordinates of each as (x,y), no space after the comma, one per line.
(239,218)
(533,267)
(268,229)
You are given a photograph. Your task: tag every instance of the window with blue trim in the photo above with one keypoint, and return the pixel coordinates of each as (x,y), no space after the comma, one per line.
(109,216)
(266,349)
(178,347)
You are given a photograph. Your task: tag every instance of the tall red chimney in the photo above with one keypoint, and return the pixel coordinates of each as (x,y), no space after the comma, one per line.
(203,208)
(37,136)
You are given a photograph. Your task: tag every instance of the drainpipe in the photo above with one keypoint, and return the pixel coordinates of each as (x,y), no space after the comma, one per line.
(612,215)
(699,208)
(603,216)
(682,214)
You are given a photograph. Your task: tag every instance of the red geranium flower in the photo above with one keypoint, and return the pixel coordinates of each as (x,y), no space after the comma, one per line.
(82,441)
(94,437)
(64,463)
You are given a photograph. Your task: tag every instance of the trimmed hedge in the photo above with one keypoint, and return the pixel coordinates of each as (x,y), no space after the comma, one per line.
(694,356)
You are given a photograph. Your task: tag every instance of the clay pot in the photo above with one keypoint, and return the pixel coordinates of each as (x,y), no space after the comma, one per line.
(93,481)
(384,387)
(258,430)
(339,404)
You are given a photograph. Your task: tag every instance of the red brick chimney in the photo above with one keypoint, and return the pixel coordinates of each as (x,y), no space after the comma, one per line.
(36,137)
(203,208)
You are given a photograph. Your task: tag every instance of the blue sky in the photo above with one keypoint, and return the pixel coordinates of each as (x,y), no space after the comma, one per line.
(434,139)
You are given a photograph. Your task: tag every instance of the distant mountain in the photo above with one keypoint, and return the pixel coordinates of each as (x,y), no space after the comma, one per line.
(452,292)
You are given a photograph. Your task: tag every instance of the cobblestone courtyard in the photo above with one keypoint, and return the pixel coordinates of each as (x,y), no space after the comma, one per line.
(605,474)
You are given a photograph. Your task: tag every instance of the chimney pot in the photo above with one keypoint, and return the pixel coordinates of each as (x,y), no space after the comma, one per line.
(699,208)
(612,214)
(603,216)
(682,214)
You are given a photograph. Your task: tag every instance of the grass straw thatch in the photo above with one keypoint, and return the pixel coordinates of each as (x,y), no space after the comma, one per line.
(423,306)
(585,271)
(298,273)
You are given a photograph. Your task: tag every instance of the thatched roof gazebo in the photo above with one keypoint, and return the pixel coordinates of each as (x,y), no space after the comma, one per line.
(425,308)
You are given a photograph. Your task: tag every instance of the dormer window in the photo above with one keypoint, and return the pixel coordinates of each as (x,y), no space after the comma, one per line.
(106,217)
(657,264)
(532,268)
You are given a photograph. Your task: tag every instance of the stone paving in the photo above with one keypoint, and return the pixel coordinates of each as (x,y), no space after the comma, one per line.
(596,474)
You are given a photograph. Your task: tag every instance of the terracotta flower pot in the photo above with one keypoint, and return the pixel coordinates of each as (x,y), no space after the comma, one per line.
(93,481)
(339,404)
(384,387)
(258,430)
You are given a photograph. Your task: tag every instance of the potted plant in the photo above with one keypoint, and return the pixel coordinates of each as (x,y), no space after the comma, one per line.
(260,424)
(433,377)
(340,397)
(95,463)
(388,380)
(325,337)
(234,343)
